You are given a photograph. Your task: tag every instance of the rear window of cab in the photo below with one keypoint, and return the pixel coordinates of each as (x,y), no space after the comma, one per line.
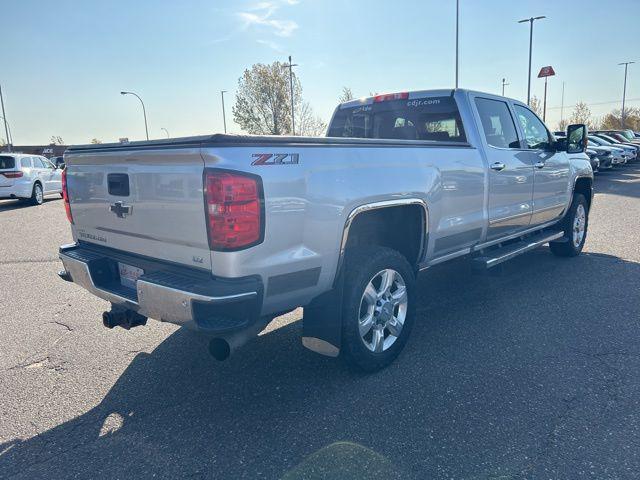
(428,118)
(7,162)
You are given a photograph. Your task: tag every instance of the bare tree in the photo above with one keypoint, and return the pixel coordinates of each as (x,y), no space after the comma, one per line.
(96,140)
(562,124)
(536,105)
(346,95)
(57,140)
(307,123)
(581,114)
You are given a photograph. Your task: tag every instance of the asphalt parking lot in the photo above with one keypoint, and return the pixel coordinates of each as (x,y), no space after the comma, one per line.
(530,373)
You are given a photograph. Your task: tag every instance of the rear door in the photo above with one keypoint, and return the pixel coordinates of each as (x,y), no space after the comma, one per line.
(41,173)
(510,169)
(551,168)
(148,201)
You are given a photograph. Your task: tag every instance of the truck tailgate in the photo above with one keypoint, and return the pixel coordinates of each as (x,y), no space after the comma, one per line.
(143,201)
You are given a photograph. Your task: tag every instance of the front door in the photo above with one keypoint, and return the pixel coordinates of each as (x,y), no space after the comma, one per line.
(551,168)
(510,169)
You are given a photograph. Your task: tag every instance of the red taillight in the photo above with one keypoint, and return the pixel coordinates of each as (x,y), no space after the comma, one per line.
(390,96)
(65,196)
(15,174)
(234,210)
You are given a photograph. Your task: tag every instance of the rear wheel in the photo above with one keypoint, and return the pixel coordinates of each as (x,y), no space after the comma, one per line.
(575,225)
(37,196)
(378,308)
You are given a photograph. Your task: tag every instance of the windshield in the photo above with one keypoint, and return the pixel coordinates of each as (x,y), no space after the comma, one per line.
(433,118)
(628,134)
(610,139)
(7,162)
(597,140)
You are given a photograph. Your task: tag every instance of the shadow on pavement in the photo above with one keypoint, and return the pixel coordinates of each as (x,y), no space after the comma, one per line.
(484,379)
(6,205)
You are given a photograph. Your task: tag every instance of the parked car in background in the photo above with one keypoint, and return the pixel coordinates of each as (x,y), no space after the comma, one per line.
(605,157)
(622,135)
(619,156)
(28,177)
(630,149)
(593,159)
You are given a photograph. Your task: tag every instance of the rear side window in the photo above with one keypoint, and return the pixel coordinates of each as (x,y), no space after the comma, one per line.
(429,118)
(497,123)
(26,162)
(536,134)
(7,162)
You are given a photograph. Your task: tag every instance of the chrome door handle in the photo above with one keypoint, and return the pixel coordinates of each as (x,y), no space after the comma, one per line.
(539,164)
(497,166)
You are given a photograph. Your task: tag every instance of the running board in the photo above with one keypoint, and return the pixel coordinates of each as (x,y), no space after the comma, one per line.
(502,254)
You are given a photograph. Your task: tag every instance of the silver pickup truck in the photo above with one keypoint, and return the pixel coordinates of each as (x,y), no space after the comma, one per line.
(222,233)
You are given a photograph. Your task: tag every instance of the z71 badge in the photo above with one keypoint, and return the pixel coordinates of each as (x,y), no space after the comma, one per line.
(275,159)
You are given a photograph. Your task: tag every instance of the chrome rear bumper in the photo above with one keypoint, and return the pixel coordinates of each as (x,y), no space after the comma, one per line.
(164,294)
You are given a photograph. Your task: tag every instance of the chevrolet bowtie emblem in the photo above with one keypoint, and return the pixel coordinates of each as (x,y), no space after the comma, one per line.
(120,209)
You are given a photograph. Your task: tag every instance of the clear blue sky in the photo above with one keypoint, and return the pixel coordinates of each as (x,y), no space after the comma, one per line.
(65,62)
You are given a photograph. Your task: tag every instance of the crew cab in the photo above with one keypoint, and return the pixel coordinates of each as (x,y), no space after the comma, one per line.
(221,233)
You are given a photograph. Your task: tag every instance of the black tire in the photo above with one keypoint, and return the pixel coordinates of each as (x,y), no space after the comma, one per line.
(362,265)
(568,247)
(35,198)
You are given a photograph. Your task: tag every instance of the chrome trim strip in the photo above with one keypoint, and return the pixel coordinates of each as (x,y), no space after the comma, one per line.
(511,217)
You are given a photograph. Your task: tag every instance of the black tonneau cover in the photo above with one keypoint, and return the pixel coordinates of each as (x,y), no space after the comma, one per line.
(228,140)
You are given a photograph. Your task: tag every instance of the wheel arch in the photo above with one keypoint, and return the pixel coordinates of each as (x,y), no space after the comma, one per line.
(584,185)
(365,215)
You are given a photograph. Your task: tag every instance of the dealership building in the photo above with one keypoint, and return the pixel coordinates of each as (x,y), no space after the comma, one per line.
(44,150)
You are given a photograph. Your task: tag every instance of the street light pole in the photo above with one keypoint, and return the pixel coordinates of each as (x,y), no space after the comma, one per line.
(624,90)
(10,139)
(4,116)
(457,37)
(503,85)
(224,116)
(165,131)
(530,20)
(144,112)
(293,121)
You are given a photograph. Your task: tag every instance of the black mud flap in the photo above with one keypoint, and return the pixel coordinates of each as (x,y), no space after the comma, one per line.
(322,321)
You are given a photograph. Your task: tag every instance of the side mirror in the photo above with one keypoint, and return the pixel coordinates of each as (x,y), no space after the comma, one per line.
(577,138)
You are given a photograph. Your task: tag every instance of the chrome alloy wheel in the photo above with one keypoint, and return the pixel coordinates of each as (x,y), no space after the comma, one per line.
(579,225)
(383,309)
(39,194)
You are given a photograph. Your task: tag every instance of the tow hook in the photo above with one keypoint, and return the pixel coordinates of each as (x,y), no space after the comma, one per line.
(126,319)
